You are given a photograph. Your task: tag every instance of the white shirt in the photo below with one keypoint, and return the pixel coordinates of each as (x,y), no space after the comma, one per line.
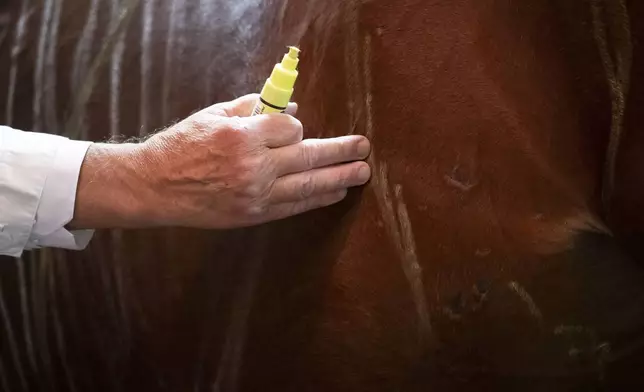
(38,179)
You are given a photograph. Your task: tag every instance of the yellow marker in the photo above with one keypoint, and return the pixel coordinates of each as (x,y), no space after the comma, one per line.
(278,88)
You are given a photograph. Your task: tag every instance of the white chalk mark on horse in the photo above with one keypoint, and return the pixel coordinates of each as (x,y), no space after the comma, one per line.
(527,299)
(396,219)
(368,86)
(412,268)
(399,227)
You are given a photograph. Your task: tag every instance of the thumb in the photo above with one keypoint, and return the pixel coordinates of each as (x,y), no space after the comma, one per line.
(241,107)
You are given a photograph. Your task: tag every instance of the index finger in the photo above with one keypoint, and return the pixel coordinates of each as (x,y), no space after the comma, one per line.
(243,107)
(315,153)
(275,130)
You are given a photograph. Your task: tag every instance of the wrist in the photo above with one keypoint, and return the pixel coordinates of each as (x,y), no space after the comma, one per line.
(112,190)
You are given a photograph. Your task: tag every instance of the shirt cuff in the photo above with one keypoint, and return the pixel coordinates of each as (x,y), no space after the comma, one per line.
(56,207)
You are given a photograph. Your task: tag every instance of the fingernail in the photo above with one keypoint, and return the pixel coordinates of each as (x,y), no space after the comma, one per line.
(291,108)
(364,173)
(364,147)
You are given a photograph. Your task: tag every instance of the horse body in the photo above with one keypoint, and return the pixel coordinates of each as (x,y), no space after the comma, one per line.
(477,257)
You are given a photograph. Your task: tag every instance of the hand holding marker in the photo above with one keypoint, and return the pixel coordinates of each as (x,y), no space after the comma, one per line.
(278,88)
(312,173)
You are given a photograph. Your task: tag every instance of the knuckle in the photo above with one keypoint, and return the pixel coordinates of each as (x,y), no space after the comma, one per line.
(339,150)
(347,147)
(248,201)
(256,210)
(344,178)
(231,128)
(355,175)
(252,178)
(249,184)
(253,190)
(307,187)
(308,156)
(201,123)
(297,128)
(340,177)
(235,122)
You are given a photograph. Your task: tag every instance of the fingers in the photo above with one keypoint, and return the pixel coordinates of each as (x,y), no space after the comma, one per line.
(243,107)
(315,153)
(284,210)
(275,130)
(302,186)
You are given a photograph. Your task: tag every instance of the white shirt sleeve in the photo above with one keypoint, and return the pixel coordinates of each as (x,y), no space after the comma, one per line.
(38,179)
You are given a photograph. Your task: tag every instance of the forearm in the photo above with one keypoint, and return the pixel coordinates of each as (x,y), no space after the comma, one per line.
(111,191)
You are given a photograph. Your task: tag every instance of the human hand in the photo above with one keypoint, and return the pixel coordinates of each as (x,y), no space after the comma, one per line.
(219,168)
